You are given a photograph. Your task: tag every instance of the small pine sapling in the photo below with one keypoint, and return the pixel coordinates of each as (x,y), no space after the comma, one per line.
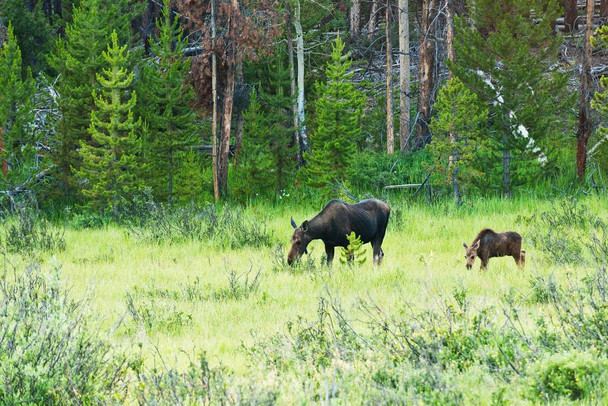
(354,253)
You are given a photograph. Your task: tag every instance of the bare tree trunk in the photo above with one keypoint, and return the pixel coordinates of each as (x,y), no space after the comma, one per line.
(373,20)
(390,131)
(301,101)
(224,147)
(584,115)
(355,18)
(506,165)
(425,71)
(449,44)
(404,74)
(240,120)
(570,14)
(216,190)
(292,81)
(4,163)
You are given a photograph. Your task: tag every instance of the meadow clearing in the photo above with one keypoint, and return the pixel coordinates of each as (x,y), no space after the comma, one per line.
(258,320)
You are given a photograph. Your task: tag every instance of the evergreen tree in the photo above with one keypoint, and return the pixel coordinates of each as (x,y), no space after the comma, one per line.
(339,110)
(267,164)
(165,105)
(110,169)
(17,138)
(510,64)
(33,31)
(458,144)
(77,59)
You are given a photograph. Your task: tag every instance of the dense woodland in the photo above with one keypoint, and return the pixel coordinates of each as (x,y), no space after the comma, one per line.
(102,101)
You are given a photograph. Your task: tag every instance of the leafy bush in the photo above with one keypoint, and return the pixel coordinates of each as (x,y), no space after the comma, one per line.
(157,315)
(572,375)
(49,352)
(27,231)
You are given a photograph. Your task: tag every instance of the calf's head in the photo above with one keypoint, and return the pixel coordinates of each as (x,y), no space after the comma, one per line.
(299,241)
(470,253)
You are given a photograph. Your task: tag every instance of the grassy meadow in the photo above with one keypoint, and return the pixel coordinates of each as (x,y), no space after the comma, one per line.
(168,300)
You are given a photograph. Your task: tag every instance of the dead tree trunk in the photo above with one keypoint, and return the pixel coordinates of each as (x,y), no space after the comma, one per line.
(604,11)
(570,14)
(425,71)
(224,147)
(584,115)
(240,120)
(301,101)
(216,190)
(449,45)
(390,131)
(355,18)
(373,20)
(404,75)
(292,82)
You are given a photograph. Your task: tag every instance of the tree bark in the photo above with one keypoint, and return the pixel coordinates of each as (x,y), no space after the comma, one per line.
(240,120)
(216,189)
(292,82)
(4,163)
(390,131)
(224,147)
(570,14)
(355,18)
(301,101)
(584,115)
(373,20)
(404,75)
(425,71)
(604,11)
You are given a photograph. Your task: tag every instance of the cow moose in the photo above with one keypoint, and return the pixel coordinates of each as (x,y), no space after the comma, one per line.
(368,219)
(489,244)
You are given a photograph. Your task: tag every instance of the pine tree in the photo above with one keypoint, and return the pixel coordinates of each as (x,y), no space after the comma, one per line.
(458,142)
(110,169)
(17,138)
(165,105)
(33,31)
(268,160)
(339,110)
(76,60)
(509,64)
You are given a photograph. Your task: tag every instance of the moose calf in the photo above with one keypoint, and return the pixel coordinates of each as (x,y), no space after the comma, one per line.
(489,244)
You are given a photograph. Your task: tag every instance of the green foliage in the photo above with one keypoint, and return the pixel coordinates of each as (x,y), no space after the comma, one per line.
(110,169)
(459,138)
(600,99)
(165,105)
(267,164)
(339,109)
(77,61)
(33,32)
(194,175)
(17,136)
(51,354)
(516,54)
(354,252)
(157,315)
(573,375)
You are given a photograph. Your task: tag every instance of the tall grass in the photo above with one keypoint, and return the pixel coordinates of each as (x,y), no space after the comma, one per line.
(269,330)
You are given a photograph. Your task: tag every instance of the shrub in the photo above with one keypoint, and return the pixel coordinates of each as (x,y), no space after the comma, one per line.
(49,352)
(572,375)
(26,231)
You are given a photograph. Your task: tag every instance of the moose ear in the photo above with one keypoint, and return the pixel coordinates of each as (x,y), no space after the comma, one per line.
(464,244)
(476,245)
(305,226)
(293,223)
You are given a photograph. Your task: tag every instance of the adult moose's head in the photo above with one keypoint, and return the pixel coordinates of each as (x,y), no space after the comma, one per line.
(367,219)
(299,241)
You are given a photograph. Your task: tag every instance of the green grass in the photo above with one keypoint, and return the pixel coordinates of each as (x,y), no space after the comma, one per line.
(424,260)
(178,299)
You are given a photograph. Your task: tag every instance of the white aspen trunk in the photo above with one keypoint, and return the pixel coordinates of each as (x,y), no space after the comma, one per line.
(292,82)
(355,18)
(373,18)
(300,61)
(390,132)
(404,74)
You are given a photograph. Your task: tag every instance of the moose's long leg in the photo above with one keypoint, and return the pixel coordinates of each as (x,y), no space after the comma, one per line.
(329,250)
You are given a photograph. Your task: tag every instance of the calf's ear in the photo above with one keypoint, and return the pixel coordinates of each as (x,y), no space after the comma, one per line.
(464,244)
(293,223)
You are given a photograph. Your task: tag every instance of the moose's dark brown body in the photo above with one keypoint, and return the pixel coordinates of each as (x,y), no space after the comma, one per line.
(489,244)
(368,219)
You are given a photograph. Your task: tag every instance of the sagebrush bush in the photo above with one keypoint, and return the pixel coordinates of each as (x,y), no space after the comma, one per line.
(50,353)
(25,230)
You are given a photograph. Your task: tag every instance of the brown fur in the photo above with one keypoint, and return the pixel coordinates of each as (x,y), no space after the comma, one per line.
(489,244)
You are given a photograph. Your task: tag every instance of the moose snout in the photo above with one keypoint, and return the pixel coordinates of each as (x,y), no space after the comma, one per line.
(469,266)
